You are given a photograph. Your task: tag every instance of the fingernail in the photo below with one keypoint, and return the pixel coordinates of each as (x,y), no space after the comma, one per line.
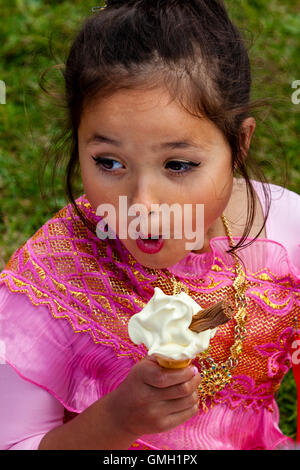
(195,369)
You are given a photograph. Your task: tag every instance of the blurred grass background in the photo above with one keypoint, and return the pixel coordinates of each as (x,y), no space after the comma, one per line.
(29,120)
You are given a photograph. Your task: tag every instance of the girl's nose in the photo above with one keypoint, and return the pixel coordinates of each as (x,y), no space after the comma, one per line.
(145,195)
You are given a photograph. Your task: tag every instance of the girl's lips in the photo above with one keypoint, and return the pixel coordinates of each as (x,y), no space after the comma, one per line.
(150,246)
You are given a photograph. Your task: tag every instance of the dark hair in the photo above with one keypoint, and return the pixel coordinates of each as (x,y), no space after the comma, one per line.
(191,47)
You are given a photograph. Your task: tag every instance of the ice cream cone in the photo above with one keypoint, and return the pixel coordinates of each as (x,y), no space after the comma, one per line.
(164,327)
(172,363)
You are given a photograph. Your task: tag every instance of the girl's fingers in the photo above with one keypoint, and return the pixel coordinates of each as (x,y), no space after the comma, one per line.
(158,377)
(167,414)
(181,404)
(181,390)
(177,418)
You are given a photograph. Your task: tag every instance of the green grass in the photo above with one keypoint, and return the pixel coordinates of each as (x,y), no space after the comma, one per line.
(28,120)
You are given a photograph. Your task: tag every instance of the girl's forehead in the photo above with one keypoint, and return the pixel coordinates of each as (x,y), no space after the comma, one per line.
(140,108)
(132,100)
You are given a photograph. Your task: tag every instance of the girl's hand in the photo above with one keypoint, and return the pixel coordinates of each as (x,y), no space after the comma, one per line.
(152,399)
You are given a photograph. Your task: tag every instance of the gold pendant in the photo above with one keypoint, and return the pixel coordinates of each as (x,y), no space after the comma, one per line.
(240,283)
(214,379)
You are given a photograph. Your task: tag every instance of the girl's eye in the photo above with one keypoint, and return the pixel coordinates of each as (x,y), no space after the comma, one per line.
(177,165)
(106,164)
(177,168)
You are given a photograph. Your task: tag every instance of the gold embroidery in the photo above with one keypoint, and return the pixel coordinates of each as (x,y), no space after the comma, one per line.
(140,303)
(25,256)
(266,299)
(213,284)
(57,245)
(125,302)
(39,270)
(100,299)
(217,268)
(268,275)
(264,277)
(20,283)
(224,266)
(81,320)
(120,351)
(81,297)
(59,286)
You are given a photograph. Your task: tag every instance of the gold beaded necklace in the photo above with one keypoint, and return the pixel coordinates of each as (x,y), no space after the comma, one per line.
(215,376)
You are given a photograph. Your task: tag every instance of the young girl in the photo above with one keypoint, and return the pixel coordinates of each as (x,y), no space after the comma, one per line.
(158,96)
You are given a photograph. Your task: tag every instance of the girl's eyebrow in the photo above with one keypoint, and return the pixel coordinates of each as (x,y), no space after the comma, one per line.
(104,140)
(185,144)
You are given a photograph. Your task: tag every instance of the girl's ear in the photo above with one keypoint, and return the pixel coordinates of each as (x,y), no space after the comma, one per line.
(246,133)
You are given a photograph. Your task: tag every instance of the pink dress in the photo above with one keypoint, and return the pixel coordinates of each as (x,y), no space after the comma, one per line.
(36,387)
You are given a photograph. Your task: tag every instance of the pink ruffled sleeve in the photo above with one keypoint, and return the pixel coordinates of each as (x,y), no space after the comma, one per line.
(27,411)
(283,224)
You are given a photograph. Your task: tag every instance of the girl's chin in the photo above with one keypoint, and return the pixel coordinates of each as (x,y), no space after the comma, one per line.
(151,264)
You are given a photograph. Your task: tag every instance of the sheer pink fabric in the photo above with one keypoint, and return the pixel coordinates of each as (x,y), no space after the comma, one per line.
(27,412)
(56,367)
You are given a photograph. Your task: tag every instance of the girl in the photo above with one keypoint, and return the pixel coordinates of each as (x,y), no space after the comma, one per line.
(158,96)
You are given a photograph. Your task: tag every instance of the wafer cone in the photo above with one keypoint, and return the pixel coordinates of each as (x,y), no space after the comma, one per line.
(168,363)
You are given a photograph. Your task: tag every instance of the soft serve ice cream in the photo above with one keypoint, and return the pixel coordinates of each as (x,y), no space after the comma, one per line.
(163,327)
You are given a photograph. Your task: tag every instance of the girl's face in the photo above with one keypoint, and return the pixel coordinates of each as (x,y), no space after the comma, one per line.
(152,151)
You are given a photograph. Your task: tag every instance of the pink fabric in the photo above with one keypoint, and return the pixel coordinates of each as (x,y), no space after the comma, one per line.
(27,412)
(67,368)
(283,223)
